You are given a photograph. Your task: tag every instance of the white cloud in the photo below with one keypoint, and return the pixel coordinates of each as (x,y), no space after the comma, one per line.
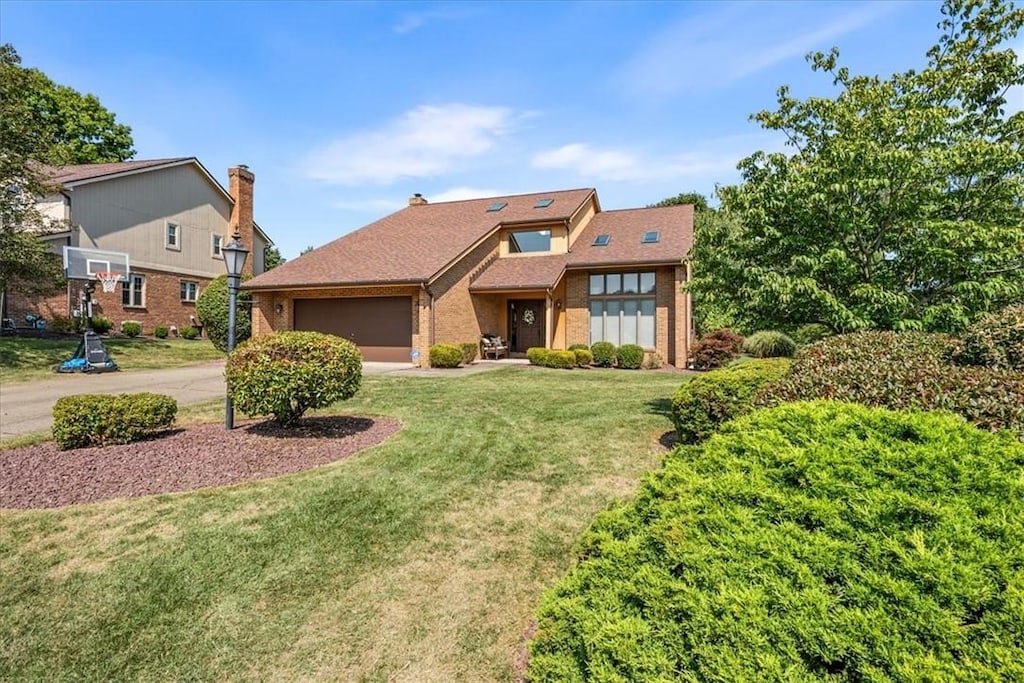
(411,21)
(459,193)
(422,142)
(727,44)
(711,158)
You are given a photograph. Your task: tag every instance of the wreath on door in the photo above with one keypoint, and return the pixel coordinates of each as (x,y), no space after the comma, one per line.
(528,316)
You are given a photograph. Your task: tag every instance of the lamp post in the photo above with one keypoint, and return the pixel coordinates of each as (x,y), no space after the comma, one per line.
(234,259)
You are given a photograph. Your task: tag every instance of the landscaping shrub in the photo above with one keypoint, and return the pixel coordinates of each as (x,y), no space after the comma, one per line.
(630,357)
(701,405)
(996,341)
(101,324)
(445,356)
(716,349)
(563,360)
(212,311)
(469,351)
(579,347)
(583,357)
(84,420)
(902,370)
(652,361)
(537,355)
(160,332)
(769,344)
(810,333)
(604,354)
(130,328)
(189,332)
(284,374)
(810,542)
(61,323)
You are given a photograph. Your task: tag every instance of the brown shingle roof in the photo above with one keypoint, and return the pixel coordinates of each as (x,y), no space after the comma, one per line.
(414,244)
(523,272)
(626,228)
(71,174)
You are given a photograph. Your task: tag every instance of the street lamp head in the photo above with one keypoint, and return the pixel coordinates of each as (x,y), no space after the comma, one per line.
(234,255)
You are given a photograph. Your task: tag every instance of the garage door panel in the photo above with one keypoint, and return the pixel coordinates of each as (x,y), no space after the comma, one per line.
(380,326)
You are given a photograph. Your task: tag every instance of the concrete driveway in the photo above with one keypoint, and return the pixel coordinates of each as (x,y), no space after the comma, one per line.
(27,407)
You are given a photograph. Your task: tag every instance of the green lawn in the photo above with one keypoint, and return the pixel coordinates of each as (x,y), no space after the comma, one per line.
(419,560)
(23,359)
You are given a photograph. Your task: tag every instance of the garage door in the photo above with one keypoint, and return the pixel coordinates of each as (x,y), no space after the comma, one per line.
(380,326)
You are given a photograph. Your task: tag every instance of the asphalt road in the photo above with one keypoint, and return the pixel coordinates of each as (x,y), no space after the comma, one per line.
(27,407)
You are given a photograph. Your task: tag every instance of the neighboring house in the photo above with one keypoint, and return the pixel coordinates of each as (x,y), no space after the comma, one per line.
(169,215)
(548,269)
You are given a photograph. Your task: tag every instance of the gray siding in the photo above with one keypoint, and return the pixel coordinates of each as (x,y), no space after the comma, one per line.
(131,213)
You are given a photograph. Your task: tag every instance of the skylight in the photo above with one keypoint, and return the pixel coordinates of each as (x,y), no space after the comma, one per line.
(650,237)
(543,203)
(497,206)
(602,240)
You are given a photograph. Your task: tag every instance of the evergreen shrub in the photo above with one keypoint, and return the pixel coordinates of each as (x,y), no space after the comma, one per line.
(809,542)
(101,324)
(715,349)
(160,332)
(579,347)
(537,355)
(583,357)
(84,420)
(630,357)
(469,351)
(445,356)
(701,405)
(902,370)
(604,354)
(284,374)
(61,323)
(130,328)
(563,360)
(189,332)
(212,311)
(769,344)
(996,341)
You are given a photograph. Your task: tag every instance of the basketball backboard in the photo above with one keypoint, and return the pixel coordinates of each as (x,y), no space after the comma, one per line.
(83,264)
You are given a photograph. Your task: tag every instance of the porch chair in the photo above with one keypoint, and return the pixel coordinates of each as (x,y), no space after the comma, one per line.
(491,346)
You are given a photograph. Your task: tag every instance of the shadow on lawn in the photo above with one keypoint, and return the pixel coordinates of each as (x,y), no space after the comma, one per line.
(660,406)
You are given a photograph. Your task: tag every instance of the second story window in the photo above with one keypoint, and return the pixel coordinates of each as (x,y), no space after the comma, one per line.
(173,237)
(218,240)
(529,241)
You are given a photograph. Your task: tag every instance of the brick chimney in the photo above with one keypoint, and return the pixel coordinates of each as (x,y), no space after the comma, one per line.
(240,182)
(417,200)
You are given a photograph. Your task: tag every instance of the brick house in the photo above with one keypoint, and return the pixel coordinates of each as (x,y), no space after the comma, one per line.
(548,269)
(169,215)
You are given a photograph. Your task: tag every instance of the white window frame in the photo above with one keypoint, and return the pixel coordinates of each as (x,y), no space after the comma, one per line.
(216,242)
(134,287)
(176,228)
(194,291)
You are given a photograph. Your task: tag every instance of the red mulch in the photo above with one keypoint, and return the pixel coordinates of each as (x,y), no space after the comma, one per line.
(181,460)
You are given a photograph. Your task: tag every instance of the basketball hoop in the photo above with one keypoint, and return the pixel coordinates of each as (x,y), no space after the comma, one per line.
(108,280)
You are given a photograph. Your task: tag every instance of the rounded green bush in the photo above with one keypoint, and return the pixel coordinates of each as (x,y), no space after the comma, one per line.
(101,324)
(563,360)
(84,420)
(445,356)
(212,311)
(131,329)
(604,354)
(578,347)
(902,370)
(537,355)
(809,542)
(160,332)
(284,374)
(583,357)
(995,341)
(189,332)
(630,356)
(769,344)
(701,405)
(469,351)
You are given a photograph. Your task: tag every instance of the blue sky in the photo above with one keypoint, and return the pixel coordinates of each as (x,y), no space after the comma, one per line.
(344,110)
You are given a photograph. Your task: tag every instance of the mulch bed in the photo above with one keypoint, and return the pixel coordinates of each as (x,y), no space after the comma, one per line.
(41,476)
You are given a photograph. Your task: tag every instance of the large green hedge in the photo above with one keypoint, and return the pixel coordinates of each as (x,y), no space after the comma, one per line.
(83,420)
(212,311)
(808,542)
(284,374)
(705,402)
(902,370)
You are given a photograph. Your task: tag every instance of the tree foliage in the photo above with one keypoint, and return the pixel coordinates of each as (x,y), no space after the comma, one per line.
(272,258)
(699,201)
(901,205)
(212,309)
